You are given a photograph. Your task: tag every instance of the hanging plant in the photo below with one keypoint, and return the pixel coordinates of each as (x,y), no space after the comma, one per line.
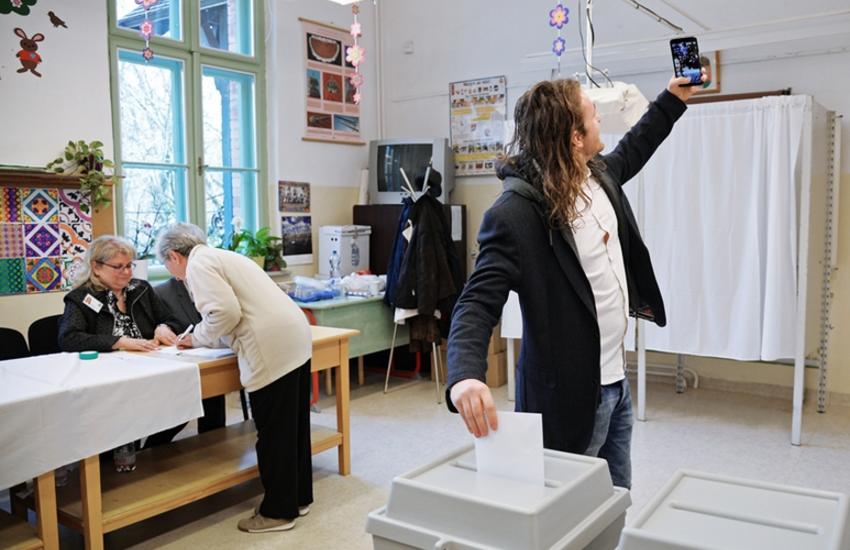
(87,161)
(21,7)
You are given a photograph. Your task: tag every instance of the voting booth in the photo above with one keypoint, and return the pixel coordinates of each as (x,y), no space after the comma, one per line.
(449,504)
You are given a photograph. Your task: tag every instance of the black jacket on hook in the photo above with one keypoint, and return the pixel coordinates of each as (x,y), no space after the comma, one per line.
(429,279)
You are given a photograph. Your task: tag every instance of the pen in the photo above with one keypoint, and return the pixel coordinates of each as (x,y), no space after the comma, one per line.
(185,332)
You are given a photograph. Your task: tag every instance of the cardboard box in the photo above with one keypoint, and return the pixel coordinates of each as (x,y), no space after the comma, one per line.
(497,370)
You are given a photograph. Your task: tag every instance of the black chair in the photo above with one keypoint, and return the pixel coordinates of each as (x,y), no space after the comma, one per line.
(12,344)
(43,335)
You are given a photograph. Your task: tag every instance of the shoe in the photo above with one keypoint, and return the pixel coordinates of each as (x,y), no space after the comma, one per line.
(302,510)
(261,524)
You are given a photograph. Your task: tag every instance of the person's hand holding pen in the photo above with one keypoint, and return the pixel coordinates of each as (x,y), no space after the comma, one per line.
(185,339)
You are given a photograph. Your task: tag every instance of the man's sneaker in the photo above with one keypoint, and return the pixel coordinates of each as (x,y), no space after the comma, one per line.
(302,510)
(261,524)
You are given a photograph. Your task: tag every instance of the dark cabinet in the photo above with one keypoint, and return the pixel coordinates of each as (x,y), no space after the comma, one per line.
(383,219)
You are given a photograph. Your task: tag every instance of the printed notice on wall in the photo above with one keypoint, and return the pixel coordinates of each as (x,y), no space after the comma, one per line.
(478,111)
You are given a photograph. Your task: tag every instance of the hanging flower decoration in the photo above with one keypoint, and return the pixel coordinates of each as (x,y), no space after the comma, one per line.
(20,7)
(356,55)
(558,17)
(146,28)
(558,46)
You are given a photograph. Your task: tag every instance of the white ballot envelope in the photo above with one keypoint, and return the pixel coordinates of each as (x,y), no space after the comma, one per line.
(515,450)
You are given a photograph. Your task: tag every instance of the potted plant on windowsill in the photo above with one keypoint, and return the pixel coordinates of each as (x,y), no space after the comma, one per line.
(88,161)
(265,249)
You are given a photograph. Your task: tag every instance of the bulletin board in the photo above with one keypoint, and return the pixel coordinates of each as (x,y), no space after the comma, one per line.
(331,113)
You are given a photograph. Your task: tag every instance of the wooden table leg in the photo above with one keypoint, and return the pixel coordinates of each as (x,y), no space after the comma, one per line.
(360,377)
(45,509)
(91,502)
(342,388)
(329,382)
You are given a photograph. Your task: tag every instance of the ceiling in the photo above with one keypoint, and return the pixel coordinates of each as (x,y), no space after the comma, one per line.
(629,41)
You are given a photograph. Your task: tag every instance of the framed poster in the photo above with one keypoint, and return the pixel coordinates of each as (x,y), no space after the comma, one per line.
(293,196)
(297,235)
(478,112)
(330,111)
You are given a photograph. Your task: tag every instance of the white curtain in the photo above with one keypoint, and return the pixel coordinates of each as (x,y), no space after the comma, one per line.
(720,211)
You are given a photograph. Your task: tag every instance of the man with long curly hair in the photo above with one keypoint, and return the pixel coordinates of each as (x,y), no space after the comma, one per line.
(563,236)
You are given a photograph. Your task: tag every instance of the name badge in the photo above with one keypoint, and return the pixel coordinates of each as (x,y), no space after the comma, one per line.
(93,303)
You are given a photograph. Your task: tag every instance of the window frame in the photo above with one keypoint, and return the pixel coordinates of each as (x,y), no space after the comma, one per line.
(195,58)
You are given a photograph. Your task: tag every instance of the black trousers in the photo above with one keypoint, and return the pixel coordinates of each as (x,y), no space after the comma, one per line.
(214,417)
(281,414)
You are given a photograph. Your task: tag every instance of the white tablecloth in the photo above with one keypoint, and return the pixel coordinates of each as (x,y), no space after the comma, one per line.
(57,409)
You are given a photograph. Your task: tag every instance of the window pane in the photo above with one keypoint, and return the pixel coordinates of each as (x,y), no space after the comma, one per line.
(151,109)
(164,15)
(227,25)
(229,195)
(152,200)
(228,115)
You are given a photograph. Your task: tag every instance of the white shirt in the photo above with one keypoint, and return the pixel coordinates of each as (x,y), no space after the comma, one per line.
(601,257)
(242,306)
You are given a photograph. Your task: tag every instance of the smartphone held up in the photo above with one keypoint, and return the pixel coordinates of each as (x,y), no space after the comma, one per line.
(686,59)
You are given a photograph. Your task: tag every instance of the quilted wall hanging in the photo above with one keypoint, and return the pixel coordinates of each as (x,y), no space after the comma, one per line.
(44,234)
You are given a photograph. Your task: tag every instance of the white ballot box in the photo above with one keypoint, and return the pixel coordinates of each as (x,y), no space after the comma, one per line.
(696,511)
(343,249)
(447,504)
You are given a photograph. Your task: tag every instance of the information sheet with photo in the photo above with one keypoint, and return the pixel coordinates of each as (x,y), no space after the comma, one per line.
(478,113)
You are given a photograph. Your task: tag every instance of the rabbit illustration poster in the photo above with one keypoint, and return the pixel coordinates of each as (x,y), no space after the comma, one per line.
(21,7)
(28,54)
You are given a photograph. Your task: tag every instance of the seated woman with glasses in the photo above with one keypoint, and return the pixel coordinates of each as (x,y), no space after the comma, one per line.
(110,310)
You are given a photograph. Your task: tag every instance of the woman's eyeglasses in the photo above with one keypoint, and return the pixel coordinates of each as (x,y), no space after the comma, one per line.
(126,267)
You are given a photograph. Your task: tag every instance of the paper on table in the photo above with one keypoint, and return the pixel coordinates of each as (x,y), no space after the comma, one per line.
(515,450)
(208,353)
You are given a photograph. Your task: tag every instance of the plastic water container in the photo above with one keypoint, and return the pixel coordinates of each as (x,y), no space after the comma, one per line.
(448,504)
(697,511)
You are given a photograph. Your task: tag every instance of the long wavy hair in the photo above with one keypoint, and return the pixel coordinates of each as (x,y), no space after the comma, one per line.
(546,117)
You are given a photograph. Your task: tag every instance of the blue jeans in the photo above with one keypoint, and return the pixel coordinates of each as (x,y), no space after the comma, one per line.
(612,432)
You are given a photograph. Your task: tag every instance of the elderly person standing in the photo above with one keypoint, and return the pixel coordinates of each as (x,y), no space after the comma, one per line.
(110,310)
(242,307)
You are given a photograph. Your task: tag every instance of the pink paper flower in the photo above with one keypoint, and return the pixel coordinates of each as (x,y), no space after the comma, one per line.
(355,55)
(146,29)
(558,16)
(355,29)
(357,98)
(356,80)
(147,53)
(146,3)
(17,3)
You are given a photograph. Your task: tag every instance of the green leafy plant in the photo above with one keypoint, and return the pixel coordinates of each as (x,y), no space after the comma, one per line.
(259,244)
(87,161)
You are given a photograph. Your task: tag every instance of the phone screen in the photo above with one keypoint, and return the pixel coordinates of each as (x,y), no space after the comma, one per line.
(686,59)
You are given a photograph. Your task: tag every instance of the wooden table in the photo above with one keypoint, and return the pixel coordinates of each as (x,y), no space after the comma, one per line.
(17,533)
(371,317)
(171,476)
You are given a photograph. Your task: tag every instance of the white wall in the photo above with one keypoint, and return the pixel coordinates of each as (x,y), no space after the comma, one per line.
(465,40)
(39,115)
(326,166)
